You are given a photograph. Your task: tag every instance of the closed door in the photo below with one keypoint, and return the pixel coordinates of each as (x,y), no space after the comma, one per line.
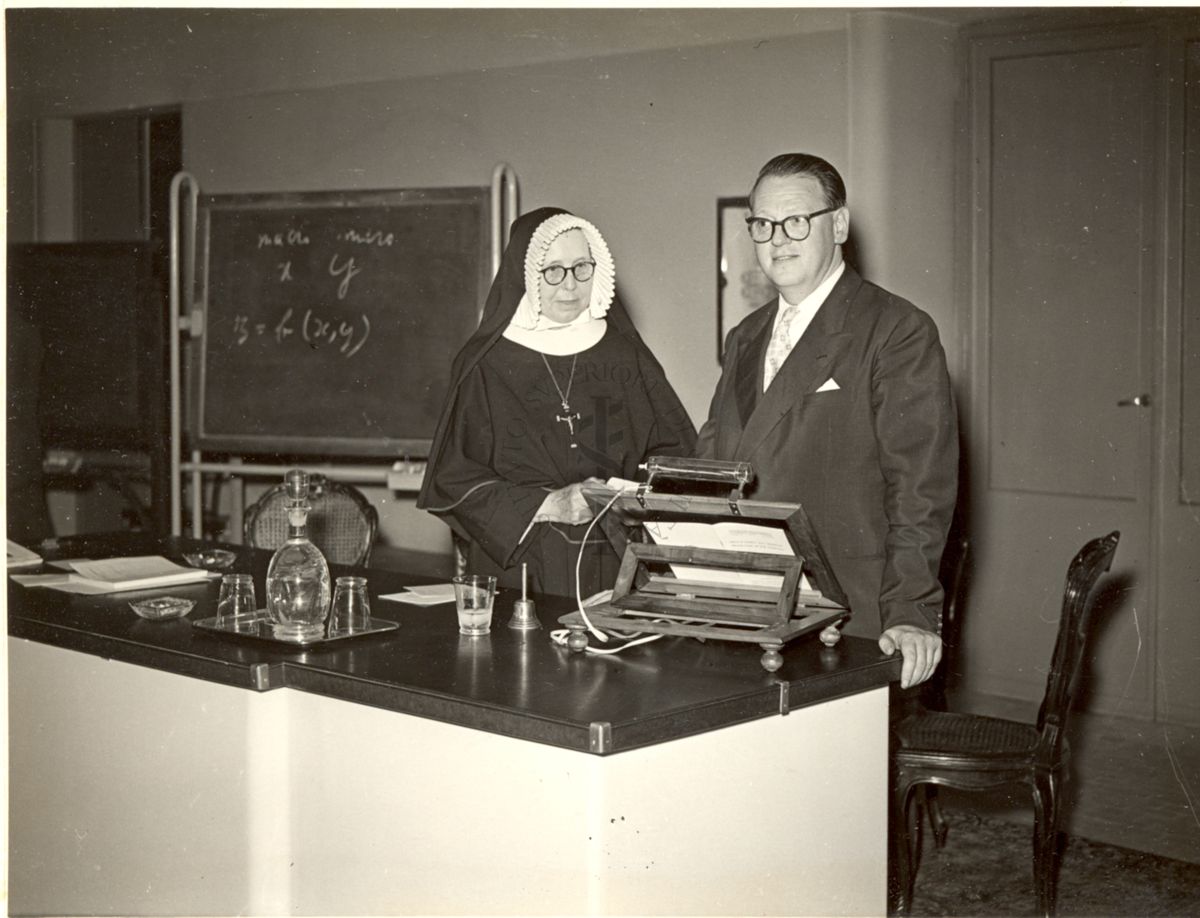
(1066,292)
(1177,685)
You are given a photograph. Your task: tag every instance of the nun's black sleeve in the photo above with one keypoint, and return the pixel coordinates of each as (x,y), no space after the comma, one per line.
(494,512)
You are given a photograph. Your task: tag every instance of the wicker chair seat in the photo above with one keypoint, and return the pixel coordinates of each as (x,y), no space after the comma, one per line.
(967,736)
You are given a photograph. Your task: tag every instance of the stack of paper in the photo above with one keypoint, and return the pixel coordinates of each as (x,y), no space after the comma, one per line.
(19,556)
(115,575)
(430,595)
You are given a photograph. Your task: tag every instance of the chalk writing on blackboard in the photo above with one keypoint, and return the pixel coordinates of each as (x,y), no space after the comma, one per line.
(288,237)
(331,318)
(347,337)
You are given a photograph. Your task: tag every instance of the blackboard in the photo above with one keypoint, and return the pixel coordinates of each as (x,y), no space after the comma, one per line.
(330,319)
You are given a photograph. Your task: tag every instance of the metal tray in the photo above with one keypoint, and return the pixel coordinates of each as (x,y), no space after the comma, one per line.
(257,626)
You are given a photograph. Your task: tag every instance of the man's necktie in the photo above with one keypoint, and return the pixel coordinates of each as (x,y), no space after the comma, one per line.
(779,347)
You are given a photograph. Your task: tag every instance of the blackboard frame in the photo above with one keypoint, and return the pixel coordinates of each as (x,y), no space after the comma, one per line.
(205,435)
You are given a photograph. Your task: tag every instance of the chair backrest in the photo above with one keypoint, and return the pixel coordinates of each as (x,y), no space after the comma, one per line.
(1093,560)
(953,577)
(342,522)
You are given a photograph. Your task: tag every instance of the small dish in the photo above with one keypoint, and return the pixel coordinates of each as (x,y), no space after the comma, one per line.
(216,559)
(162,608)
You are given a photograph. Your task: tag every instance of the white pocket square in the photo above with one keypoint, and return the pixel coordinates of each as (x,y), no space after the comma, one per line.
(829,385)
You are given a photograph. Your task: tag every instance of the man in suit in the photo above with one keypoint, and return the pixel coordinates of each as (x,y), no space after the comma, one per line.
(838,395)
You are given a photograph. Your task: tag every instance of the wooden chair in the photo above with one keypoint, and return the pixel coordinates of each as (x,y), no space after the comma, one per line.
(974,752)
(342,522)
(953,576)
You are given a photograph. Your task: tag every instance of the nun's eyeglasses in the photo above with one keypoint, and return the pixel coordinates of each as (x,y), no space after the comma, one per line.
(556,274)
(796,227)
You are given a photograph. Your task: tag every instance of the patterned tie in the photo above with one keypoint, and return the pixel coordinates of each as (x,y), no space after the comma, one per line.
(779,347)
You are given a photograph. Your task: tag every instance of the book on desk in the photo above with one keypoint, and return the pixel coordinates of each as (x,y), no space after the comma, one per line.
(20,557)
(115,575)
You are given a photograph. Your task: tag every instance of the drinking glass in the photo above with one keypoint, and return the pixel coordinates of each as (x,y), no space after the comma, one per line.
(236,607)
(351,607)
(473,596)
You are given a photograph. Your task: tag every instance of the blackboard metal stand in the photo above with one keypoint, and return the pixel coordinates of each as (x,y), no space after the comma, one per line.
(192,319)
(183,271)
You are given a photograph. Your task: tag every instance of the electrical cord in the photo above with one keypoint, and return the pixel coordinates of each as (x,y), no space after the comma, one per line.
(470,491)
(560,635)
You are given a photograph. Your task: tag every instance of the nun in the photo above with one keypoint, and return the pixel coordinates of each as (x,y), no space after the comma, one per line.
(555,389)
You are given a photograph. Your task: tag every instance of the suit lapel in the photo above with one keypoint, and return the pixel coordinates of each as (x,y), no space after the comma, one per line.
(748,385)
(807,366)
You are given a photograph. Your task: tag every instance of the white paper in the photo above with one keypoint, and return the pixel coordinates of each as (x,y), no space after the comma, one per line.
(115,575)
(417,599)
(440,590)
(725,536)
(621,484)
(19,556)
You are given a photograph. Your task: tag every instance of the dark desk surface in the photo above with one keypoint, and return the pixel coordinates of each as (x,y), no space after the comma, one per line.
(513,683)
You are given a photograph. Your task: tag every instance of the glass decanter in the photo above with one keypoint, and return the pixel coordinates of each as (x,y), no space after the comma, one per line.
(298,577)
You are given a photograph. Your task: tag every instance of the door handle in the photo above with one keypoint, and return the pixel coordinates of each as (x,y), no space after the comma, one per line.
(1138,401)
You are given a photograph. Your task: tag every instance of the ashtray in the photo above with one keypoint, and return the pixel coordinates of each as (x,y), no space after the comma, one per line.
(162,608)
(216,559)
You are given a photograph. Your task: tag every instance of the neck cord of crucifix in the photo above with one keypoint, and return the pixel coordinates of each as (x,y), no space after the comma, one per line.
(564,398)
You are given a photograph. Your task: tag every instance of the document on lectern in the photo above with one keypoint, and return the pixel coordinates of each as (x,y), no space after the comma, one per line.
(727,536)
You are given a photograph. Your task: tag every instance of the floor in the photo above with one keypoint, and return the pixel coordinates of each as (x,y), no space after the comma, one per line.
(1133,784)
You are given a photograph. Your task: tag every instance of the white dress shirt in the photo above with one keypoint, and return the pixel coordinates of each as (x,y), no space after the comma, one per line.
(805,310)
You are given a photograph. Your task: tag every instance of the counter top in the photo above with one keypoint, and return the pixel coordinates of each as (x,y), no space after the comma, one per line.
(510,682)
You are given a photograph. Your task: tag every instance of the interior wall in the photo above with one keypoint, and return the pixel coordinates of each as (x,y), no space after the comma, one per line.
(640,143)
(904,86)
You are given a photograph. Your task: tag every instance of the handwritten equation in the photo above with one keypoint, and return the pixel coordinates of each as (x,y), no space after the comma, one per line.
(348,337)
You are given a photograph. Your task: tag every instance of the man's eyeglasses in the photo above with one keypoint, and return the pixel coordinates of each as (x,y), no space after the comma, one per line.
(796,227)
(556,274)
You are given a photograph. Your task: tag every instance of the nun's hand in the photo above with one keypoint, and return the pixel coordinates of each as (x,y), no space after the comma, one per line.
(566,505)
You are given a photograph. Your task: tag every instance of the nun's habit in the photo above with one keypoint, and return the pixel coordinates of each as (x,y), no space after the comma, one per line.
(534,407)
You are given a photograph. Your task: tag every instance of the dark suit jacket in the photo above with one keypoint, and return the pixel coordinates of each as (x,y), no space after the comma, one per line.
(874,461)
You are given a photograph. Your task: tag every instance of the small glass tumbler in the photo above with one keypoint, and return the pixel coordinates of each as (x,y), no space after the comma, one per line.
(236,606)
(473,596)
(351,607)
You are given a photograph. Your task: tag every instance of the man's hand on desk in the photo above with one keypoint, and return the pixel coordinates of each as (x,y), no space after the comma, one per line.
(921,650)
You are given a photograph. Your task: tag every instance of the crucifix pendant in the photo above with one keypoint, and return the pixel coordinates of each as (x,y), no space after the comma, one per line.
(569,419)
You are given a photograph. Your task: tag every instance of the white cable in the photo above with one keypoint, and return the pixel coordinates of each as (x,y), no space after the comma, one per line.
(560,636)
(596,632)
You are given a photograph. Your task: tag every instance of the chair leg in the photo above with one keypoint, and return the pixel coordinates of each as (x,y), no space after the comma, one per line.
(902,846)
(937,822)
(1045,840)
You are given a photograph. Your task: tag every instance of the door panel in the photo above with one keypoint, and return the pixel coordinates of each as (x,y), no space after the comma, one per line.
(1065,323)
(1178,687)
(1064,288)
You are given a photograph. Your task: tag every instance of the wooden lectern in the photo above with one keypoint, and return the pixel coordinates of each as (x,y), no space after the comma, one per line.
(712,566)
